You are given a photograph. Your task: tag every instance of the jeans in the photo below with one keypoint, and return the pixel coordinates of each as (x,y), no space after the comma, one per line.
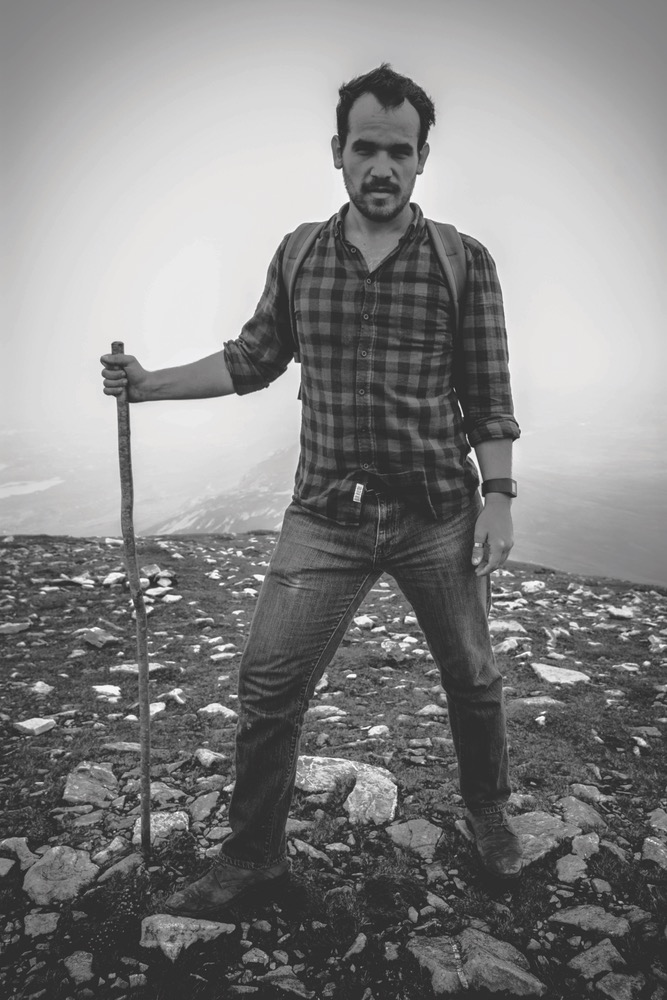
(318,576)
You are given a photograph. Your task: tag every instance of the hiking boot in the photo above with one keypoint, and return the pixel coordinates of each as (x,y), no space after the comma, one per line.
(497,844)
(223,885)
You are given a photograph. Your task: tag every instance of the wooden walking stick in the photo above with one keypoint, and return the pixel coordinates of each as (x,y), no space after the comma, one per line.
(129,542)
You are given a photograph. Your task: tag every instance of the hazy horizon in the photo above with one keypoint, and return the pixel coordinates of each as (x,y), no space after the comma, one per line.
(157,152)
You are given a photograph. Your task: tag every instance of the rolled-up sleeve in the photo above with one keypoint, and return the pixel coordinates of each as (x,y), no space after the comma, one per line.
(262,352)
(482,377)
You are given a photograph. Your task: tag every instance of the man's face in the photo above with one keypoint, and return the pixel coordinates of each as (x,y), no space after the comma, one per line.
(380,161)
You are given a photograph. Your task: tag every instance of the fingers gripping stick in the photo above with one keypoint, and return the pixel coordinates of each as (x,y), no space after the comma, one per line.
(118,347)
(129,541)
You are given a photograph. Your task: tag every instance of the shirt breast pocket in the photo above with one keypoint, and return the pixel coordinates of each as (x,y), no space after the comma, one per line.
(424,323)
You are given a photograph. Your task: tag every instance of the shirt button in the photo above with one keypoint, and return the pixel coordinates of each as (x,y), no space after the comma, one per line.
(353,249)
(364,465)
(366,316)
(368,281)
(362,392)
(364,353)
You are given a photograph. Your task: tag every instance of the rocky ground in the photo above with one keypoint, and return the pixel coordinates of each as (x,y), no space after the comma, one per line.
(385,900)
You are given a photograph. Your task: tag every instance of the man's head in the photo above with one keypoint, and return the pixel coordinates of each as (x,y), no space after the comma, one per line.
(383,120)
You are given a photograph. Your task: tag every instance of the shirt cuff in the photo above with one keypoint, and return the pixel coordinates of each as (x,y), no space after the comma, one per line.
(494,429)
(245,377)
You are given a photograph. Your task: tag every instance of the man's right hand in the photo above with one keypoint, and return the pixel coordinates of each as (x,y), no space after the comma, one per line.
(123,371)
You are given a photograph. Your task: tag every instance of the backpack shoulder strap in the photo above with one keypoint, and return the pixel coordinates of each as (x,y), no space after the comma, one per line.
(297,247)
(448,245)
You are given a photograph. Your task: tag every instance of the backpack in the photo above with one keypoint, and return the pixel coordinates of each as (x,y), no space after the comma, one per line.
(444,237)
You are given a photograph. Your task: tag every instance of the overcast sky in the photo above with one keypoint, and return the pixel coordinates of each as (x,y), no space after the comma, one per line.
(157,151)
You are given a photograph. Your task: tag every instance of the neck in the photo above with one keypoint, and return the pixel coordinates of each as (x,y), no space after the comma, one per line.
(358,225)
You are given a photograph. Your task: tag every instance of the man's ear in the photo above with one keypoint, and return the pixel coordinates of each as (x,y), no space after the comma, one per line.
(337,152)
(423,157)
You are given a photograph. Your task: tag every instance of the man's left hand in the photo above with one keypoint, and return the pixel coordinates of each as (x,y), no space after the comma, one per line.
(494,535)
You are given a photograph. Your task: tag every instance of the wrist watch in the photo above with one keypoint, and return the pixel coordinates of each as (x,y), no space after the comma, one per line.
(506,486)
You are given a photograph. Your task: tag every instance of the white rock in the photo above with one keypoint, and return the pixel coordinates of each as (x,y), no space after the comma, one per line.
(39,687)
(80,966)
(97,637)
(623,613)
(374,796)
(116,849)
(325,711)
(378,731)
(156,707)
(108,691)
(34,727)
(655,850)
(558,675)
(499,625)
(133,668)
(172,934)
(172,598)
(11,628)
(435,711)
(215,708)
(112,578)
(19,847)
(152,570)
(163,824)
(91,783)
(506,646)
(208,758)
(6,865)
(416,835)
(40,924)
(59,876)
(176,694)
(532,586)
(364,621)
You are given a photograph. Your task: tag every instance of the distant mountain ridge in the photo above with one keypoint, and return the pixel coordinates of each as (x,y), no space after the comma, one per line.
(257,502)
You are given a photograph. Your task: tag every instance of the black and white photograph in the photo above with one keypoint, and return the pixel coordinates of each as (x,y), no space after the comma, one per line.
(333,567)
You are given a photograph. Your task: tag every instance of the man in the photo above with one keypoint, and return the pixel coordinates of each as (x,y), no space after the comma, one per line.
(393,399)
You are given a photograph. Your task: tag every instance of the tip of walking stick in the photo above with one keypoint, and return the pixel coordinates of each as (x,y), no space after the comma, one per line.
(118,347)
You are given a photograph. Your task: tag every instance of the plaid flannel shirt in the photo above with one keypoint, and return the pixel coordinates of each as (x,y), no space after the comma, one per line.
(389,389)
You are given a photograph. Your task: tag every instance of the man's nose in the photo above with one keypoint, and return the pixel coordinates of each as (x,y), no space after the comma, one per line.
(381,166)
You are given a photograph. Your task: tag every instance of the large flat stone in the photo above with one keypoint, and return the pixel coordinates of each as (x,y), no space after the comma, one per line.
(579,813)
(374,795)
(602,957)
(416,835)
(59,876)
(91,783)
(592,919)
(655,850)
(172,934)
(19,847)
(559,675)
(474,962)
(34,727)
(163,824)
(540,833)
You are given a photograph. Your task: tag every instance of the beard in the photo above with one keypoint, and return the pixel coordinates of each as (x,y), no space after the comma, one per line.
(373,208)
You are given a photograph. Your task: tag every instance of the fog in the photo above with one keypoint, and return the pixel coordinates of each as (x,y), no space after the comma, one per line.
(156,152)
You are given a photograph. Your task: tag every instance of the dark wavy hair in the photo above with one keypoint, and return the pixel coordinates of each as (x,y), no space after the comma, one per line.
(391,89)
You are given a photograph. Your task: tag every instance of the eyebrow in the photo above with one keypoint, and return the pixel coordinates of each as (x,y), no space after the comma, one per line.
(360,145)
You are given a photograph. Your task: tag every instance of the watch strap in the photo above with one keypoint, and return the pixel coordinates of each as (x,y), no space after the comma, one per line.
(507,486)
